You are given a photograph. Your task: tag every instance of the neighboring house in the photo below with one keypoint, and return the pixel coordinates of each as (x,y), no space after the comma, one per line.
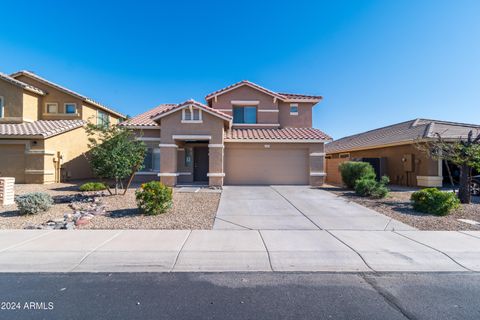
(42,134)
(392,151)
(244,134)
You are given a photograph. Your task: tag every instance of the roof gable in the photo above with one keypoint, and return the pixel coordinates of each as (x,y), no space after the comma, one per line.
(187,104)
(65,90)
(241,84)
(286,97)
(21,84)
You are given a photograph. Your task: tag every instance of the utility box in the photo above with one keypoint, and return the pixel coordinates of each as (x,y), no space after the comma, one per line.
(7,192)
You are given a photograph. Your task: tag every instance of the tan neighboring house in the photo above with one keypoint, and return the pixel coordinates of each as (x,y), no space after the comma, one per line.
(243,135)
(392,151)
(42,134)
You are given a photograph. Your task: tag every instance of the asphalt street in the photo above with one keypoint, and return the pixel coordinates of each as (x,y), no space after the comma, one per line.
(240,296)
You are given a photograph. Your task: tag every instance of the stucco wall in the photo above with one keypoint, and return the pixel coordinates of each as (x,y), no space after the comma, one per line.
(302,120)
(31,103)
(74,164)
(224,101)
(85,110)
(13,102)
(423,166)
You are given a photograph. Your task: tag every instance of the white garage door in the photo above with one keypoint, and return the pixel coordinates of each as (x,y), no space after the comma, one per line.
(262,165)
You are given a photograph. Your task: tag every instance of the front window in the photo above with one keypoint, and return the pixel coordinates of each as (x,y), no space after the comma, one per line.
(191,115)
(151,163)
(2,112)
(70,108)
(102,118)
(52,108)
(245,115)
(294,109)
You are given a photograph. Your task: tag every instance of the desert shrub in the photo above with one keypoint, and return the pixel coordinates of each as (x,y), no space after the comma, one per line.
(352,171)
(432,200)
(93,186)
(154,198)
(370,187)
(34,202)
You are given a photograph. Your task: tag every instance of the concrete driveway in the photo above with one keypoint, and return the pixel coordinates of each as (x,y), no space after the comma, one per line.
(295,208)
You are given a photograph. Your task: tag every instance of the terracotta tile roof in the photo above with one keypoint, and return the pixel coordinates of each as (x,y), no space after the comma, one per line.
(400,133)
(195,103)
(68,91)
(242,83)
(145,119)
(21,84)
(42,128)
(289,134)
(282,96)
(300,97)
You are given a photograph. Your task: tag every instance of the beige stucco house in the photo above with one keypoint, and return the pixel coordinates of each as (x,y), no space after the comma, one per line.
(393,151)
(243,134)
(42,129)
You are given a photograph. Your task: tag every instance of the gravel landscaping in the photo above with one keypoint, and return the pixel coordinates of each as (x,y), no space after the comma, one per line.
(190,210)
(397,205)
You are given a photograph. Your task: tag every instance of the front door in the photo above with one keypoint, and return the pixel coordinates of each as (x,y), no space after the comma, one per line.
(200,163)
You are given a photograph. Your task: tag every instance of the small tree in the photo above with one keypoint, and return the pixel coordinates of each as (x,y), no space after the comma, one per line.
(465,153)
(115,154)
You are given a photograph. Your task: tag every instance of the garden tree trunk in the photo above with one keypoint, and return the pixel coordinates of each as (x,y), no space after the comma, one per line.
(464,189)
(450,175)
(116,186)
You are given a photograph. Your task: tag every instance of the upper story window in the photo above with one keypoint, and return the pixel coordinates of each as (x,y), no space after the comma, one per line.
(70,108)
(294,109)
(244,114)
(2,106)
(102,118)
(51,107)
(192,115)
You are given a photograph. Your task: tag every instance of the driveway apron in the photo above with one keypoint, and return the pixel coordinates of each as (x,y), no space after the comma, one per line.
(295,208)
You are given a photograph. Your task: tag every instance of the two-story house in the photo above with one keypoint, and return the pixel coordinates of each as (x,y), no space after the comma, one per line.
(42,129)
(244,134)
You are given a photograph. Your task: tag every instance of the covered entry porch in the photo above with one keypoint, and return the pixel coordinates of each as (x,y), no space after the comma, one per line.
(191,159)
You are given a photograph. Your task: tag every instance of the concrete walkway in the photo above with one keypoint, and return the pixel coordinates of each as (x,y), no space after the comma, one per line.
(237,250)
(295,208)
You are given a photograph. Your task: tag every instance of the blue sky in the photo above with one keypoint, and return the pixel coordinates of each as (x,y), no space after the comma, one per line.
(375,62)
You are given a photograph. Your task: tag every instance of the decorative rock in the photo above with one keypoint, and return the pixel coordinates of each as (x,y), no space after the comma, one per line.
(81,222)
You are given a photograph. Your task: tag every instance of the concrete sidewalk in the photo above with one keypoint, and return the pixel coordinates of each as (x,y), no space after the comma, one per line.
(237,250)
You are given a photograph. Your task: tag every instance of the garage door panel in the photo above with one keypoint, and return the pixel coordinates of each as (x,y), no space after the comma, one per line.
(266,166)
(12,162)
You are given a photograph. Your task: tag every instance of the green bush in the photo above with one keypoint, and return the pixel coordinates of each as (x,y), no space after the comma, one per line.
(368,187)
(93,186)
(432,200)
(32,203)
(154,198)
(352,171)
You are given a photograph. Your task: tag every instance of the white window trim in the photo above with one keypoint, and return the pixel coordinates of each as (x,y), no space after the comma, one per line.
(293,105)
(200,119)
(65,107)
(50,103)
(245,102)
(2,107)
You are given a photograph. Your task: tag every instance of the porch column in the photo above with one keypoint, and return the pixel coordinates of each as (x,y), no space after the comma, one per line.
(168,164)
(317,165)
(215,167)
